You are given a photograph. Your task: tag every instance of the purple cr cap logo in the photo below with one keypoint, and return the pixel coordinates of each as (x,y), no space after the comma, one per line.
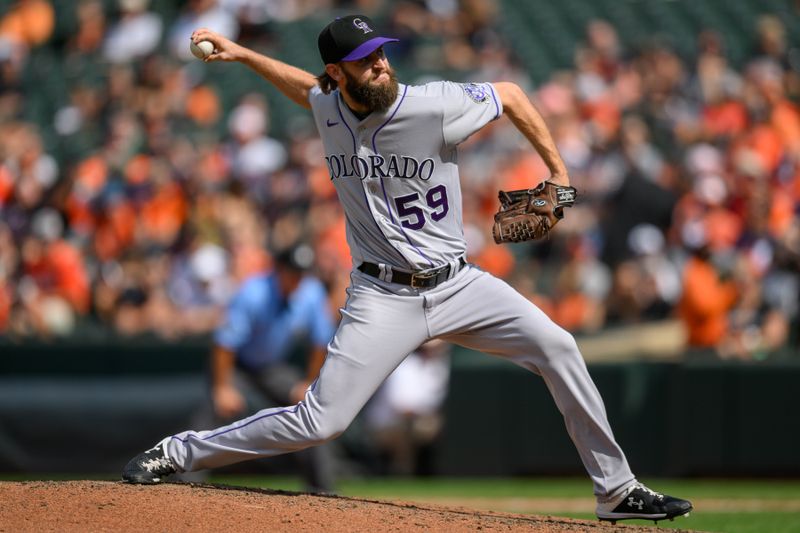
(476,92)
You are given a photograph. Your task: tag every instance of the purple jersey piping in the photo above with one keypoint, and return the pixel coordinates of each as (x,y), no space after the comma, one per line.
(496,105)
(383,187)
(375,149)
(366,200)
(217,434)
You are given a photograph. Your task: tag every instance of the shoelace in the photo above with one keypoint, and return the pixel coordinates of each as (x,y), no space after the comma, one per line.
(653,493)
(157,463)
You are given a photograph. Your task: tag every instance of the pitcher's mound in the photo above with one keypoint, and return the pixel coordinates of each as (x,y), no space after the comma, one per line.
(79,506)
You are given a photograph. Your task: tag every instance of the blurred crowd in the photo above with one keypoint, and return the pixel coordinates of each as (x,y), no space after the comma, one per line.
(147,197)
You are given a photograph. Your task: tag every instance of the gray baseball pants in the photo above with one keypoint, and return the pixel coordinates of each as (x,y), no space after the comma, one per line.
(273,384)
(383,322)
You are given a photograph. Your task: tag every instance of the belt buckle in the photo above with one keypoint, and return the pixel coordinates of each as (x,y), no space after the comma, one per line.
(424,276)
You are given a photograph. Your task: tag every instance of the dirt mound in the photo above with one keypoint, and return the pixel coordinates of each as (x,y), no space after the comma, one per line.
(79,506)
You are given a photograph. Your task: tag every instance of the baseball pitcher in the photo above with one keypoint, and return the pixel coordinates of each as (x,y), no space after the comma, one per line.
(391,151)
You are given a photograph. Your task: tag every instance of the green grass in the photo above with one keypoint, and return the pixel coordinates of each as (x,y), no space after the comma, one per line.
(747,520)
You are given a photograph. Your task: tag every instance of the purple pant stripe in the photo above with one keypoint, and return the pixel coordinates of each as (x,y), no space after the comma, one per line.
(281,412)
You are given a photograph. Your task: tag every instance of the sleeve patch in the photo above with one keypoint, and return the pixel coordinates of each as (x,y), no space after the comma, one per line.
(477,93)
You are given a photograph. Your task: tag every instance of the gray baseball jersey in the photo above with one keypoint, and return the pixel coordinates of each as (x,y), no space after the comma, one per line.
(396,172)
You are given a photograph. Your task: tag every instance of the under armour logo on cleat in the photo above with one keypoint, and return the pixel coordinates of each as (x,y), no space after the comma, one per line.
(330,124)
(634,503)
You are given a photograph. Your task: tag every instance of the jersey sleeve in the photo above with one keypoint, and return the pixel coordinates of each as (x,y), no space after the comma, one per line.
(314,96)
(467,108)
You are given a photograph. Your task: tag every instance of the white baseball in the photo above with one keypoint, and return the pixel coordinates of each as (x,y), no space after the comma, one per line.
(201,50)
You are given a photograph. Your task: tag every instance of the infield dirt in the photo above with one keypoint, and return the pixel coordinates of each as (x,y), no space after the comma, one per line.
(81,506)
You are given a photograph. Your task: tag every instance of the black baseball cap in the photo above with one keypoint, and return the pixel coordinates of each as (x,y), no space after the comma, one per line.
(349,38)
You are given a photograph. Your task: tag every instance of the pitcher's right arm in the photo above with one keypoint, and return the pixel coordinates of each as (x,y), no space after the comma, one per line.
(295,83)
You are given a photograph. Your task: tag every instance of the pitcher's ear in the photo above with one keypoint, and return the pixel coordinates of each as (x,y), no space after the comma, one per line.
(335,72)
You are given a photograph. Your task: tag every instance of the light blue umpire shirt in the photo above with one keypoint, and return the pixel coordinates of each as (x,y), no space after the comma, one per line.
(261,326)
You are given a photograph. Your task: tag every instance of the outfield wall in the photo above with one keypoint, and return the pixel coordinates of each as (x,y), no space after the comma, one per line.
(87,408)
(672,419)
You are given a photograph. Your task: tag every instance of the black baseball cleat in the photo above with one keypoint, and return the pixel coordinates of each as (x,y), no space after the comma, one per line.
(640,502)
(149,467)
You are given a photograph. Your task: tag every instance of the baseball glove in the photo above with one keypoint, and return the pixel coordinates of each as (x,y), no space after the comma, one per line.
(530,214)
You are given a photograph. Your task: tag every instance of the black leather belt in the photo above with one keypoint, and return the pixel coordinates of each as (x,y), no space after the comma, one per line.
(418,280)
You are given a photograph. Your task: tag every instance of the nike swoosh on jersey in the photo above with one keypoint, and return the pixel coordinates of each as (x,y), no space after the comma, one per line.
(330,124)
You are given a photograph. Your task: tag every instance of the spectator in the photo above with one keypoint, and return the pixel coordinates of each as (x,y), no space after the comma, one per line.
(254,156)
(28,23)
(135,34)
(707,300)
(91,30)
(756,328)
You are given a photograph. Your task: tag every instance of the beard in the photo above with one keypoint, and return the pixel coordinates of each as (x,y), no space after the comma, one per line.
(375,97)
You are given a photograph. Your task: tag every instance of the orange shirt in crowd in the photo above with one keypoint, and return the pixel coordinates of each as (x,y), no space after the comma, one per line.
(785,119)
(320,183)
(5,304)
(30,22)
(723,228)
(163,214)
(573,311)
(497,260)
(725,118)
(522,174)
(203,105)
(705,303)
(765,141)
(71,279)
(6,184)
(116,231)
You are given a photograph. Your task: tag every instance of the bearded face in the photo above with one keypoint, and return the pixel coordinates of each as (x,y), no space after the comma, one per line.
(373,95)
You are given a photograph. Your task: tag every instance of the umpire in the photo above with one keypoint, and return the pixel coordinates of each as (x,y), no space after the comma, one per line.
(272,317)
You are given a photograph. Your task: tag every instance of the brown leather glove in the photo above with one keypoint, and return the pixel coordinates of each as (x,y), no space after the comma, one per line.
(530,214)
